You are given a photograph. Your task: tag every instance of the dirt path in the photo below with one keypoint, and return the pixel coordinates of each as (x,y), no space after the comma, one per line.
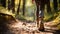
(25,28)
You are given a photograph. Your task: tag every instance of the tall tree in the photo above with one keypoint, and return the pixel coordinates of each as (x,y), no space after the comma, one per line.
(47,2)
(13,5)
(24,1)
(59,4)
(55,5)
(9,4)
(18,7)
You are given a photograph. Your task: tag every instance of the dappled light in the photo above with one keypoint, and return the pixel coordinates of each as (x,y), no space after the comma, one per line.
(29,16)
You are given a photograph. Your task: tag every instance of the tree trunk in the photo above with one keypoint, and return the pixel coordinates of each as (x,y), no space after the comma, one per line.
(59,1)
(3,2)
(55,5)
(18,7)
(59,5)
(24,1)
(13,5)
(48,6)
(9,4)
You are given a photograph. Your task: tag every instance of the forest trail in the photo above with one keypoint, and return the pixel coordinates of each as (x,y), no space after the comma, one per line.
(27,28)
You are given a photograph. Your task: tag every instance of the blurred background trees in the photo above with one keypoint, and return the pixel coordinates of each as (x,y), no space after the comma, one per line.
(27,8)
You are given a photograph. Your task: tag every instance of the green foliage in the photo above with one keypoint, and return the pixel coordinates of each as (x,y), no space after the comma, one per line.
(47,17)
(24,18)
(20,17)
(51,16)
(6,11)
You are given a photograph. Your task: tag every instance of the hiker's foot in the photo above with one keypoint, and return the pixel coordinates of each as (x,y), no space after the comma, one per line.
(41,29)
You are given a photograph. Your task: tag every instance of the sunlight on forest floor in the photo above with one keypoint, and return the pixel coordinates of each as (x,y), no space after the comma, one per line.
(25,28)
